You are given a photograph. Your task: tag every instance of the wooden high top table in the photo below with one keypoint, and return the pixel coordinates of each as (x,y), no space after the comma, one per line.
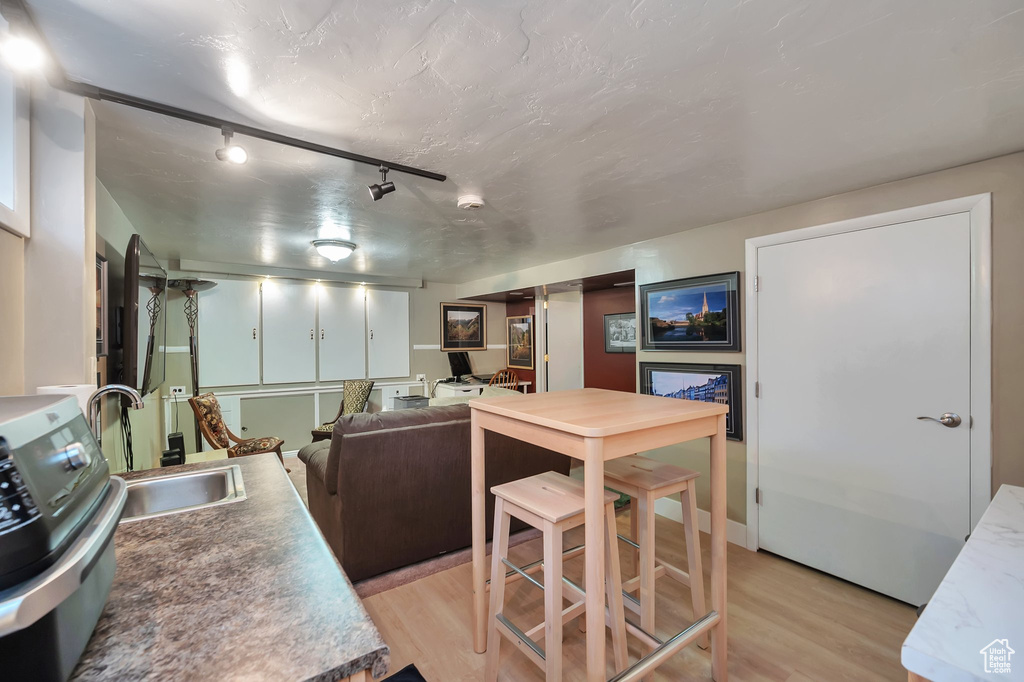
(594,425)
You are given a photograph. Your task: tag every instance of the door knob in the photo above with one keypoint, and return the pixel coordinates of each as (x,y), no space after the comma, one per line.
(950,419)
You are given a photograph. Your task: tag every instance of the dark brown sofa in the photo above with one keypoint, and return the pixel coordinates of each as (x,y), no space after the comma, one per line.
(391,489)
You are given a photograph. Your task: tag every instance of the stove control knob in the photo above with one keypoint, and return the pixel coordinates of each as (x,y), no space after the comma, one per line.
(77,457)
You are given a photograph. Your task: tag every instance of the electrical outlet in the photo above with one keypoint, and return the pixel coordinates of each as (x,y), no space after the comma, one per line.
(421,377)
(177,390)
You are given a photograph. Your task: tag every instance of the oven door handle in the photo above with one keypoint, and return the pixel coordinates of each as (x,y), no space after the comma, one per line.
(23,605)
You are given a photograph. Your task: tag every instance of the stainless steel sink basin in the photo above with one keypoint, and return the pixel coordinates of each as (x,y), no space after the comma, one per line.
(177,493)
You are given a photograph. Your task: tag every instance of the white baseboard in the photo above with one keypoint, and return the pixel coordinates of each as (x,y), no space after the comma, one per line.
(290,453)
(735,532)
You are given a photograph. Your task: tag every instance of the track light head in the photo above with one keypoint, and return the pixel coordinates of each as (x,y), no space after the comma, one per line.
(232,153)
(22,54)
(385,187)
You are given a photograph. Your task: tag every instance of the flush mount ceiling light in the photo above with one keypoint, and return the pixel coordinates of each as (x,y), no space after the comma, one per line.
(232,153)
(334,250)
(385,187)
(22,54)
(470,202)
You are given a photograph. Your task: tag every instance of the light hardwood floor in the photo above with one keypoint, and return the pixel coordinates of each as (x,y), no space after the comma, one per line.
(786,622)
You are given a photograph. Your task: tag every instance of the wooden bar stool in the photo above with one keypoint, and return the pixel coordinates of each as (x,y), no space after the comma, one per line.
(646,480)
(552,503)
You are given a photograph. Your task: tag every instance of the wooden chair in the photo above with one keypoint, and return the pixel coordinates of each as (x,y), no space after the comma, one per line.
(355,398)
(506,378)
(552,503)
(217,433)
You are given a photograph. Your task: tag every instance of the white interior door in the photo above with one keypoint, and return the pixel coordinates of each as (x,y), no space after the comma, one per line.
(289,332)
(342,333)
(565,341)
(858,335)
(229,348)
(388,348)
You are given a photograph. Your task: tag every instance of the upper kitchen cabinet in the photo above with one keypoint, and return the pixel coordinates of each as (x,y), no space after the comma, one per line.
(229,319)
(14,148)
(289,332)
(387,318)
(342,333)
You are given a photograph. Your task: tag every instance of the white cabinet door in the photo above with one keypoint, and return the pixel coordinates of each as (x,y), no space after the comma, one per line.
(387,315)
(342,333)
(229,317)
(289,332)
(565,341)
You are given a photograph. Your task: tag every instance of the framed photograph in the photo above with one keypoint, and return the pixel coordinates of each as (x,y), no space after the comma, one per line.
(697,313)
(519,342)
(102,335)
(706,383)
(620,333)
(463,326)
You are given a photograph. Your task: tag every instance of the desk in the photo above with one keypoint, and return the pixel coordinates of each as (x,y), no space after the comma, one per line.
(464,388)
(594,425)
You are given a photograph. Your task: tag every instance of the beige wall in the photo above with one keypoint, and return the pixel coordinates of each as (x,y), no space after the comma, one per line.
(720,247)
(12,313)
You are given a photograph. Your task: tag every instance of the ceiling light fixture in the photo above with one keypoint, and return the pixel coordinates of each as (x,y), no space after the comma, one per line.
(22,54)
(232,153)
(385,187)
(334,250)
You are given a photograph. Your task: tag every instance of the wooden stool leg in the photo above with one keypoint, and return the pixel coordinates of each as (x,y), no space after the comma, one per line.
(634,531)
(688,498)
(646,566)
(552,602)
(499,551)
(613,582)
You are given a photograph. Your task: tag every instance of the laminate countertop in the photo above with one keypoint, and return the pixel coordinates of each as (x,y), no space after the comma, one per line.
(973,625)
(242,591)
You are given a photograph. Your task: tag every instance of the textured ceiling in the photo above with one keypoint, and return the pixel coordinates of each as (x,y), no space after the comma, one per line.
(585,124)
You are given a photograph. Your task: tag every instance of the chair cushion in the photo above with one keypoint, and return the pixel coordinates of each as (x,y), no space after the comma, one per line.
(209,409)
(255,446)
(357,393)
(314,456)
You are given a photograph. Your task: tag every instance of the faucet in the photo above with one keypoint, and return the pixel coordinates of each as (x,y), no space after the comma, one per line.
(94,404)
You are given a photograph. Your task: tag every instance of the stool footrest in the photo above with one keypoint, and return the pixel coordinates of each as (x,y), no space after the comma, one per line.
(536,566)
(519,638)
(522,573)
(651,661)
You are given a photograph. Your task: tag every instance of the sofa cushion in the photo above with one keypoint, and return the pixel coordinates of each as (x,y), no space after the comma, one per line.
(314,456)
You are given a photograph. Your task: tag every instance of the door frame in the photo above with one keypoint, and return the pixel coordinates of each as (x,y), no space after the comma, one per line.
(979,206)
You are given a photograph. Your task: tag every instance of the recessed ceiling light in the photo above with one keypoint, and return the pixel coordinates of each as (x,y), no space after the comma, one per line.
(516,293)
(232,153)
(470,202)
(385,187)
(623,284)
(22,54)
(334,250)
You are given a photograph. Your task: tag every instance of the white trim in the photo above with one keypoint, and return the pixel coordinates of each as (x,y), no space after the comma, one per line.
(735,532)
(979,206)
(174,349)
(437,346)
(17,218)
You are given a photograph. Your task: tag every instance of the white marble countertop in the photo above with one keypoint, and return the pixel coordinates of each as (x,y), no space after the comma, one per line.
(980,601)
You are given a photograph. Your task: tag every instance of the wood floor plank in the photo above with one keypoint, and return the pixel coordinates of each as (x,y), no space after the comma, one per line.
(787,622)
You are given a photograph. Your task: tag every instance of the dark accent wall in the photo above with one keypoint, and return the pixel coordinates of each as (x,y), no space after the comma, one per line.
(614,371)
(518,309)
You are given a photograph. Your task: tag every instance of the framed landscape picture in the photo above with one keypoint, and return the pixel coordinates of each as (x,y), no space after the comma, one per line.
(463,326)
(620,333)
(519,342)
(697,313)
(706,383)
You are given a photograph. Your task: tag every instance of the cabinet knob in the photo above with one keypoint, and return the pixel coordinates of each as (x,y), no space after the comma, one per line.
(254,333)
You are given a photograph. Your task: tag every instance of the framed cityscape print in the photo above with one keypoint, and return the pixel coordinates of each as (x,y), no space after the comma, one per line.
(706,383)
(463,326)
(697,313)
(519,342)
(620,333)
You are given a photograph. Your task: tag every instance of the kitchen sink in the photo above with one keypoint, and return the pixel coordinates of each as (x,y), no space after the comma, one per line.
(177,493)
